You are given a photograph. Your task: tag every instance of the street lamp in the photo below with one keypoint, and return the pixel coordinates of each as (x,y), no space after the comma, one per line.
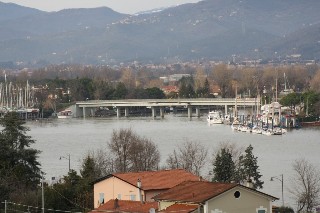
(281,180)
(67,158)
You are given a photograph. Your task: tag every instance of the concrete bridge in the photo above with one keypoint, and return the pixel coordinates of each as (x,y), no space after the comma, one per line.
(87,108)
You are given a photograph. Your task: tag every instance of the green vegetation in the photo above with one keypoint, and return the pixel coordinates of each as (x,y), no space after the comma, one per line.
(242,170)
(19,167)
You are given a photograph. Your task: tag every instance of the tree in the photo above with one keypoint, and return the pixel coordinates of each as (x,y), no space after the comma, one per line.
(311,100)
(305,185)
(206,89)
(249,169)
(315,82)
(144,155)
(19,167)
(223,167)
(120,92)
(285,209)
(223,76)
(190,156)
(155,93)
(132,153)
(68,194)
(291,100)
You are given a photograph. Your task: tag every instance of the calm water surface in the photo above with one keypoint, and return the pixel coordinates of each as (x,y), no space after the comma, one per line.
(76,137)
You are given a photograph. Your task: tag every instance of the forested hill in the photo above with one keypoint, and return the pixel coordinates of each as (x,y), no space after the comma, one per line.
(212,29)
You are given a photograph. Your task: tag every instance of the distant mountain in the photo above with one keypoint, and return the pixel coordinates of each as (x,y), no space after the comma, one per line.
(53,23)
(10,11)
(212,29)
(305,42)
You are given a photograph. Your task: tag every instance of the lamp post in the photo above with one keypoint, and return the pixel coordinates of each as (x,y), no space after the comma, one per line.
(67,158)
(281,180)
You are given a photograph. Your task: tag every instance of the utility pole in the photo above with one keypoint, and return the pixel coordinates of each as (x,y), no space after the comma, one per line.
(42,195)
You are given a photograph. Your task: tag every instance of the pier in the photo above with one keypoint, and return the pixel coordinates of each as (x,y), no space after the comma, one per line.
(87,108)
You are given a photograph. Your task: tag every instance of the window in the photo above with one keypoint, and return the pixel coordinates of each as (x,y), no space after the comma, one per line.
(133,197)
(261,210)
(237,194)
(101,198)
(119,196)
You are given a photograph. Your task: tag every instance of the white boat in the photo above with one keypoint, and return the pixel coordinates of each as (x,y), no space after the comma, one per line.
(235,125)
(267,132)
(244,128)
(215,117)
(65,114)
(256,130)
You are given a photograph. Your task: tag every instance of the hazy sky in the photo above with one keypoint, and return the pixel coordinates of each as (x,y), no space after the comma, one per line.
(123,6)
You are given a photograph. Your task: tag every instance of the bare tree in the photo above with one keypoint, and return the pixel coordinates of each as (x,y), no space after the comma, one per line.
(235,150)
(315,82)
(190,156)
(144,155)
(103,162)
(223,76)
(305,185)
(132,153)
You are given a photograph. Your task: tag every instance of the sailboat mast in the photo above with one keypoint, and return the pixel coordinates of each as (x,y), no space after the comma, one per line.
(277,89)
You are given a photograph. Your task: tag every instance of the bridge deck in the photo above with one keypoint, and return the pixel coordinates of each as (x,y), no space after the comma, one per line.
(169,102)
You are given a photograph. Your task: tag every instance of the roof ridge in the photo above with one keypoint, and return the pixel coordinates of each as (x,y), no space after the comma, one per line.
(148,171)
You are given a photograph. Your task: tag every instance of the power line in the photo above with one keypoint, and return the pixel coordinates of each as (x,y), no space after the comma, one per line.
(34,207)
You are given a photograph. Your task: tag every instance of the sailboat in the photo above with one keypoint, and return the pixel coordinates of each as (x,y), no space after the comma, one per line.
(236,123)
(286,90)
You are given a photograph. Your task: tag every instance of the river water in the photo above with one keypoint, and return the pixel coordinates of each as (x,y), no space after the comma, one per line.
(61,137)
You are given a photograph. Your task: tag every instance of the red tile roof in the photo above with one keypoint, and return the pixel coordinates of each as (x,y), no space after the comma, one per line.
(151,180)
(199,191)
(195,191)
(183,208)
(126,206)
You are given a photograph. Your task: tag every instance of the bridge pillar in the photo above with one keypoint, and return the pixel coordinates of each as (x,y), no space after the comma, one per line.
(126,112)
(153,109)
(226,109)
(162,112)
(78,111)
(189,111)
(83,112)
(118,112)
(198,112)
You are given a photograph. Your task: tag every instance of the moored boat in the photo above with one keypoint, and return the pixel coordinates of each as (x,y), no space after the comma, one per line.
(312,123)
(65,114)
(215,117)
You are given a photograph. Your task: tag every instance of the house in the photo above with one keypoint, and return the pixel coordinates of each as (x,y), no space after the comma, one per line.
(169,89)
(138,186)
(209,197)
(116,206)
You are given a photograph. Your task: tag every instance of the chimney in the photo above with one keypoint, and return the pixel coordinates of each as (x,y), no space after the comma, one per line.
(139,190)
(116,204)
(249,184)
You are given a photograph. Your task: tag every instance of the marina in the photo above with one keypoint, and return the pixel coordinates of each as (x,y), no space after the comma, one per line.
(18,98)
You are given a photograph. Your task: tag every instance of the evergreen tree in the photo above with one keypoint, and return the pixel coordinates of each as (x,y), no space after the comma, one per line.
(206,89)
(120,92)
(19,168)
(190,91)
(249,169)
(182,90)
(224,167)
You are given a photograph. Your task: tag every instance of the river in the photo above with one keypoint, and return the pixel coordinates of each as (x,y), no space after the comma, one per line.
(61,137)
